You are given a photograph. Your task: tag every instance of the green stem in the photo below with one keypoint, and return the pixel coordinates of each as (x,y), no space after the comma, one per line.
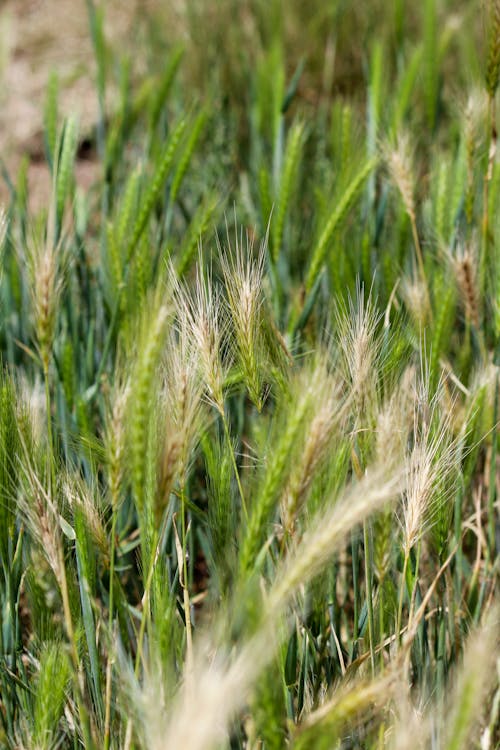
(48,408)
(401,595)
(185,584)
(355,586)
(492,478)
(441,658)
(492,147)
(107,716)
(458,538)
(381,623)
(420,263)
(415,579)
(145,597)
(235,467)
(82,710)
(62,579)
(369,592)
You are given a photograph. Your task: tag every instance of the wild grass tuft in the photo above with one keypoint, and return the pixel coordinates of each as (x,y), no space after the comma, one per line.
(249,405)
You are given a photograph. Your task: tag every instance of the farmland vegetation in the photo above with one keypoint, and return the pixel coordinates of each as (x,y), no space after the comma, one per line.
(249,397)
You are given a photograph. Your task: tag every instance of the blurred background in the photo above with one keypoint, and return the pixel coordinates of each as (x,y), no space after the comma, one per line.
(233,49)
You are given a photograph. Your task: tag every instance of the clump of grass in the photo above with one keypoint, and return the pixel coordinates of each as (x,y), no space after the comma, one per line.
(235,507)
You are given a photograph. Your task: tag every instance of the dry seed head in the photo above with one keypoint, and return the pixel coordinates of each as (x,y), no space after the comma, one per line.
(473,117)
(429,462)
(42,517)
(351,701)
(146,701)
(80,497)
(181,400)
(115,439)
(44,295)
(412,728)
(45,264)
(399,162)
(243,280)
(473,113)
(414,293)
(328,412)
(464,265)
(212,693)
(394,421)
(33,396)
(476,678)
(327,533)
(360,348)
(485,375)
(201,313)
(421,480)
(216,688)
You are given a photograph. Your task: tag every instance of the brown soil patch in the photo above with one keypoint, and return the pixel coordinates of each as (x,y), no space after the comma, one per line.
(36,37)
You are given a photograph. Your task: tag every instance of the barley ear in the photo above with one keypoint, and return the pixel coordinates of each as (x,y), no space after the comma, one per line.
(493,57)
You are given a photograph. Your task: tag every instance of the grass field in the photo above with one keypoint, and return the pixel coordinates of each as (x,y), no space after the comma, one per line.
(249,397)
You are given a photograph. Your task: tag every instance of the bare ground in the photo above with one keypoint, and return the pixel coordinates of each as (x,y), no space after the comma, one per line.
(37,36)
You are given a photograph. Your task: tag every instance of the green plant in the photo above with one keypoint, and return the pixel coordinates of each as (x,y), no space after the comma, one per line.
(248,487)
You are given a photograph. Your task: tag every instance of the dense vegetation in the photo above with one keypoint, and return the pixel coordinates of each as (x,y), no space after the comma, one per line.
(249,401)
